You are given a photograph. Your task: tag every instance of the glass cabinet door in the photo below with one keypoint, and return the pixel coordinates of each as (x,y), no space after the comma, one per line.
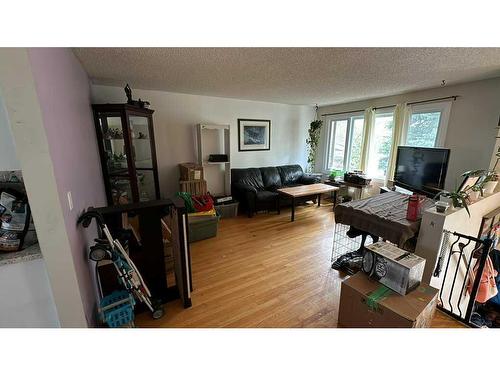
(142,156)
(121,189)
(114,144)
(146,185)
(116,157)
(141,142)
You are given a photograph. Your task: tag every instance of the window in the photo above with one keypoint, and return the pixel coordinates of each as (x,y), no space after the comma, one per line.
(423,129)
(357,130)
(427,124)
(380,145)
(338,136)
(345,140)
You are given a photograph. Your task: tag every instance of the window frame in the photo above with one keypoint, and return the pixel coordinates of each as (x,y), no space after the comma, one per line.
(350,118)
(383,111)
(442,107)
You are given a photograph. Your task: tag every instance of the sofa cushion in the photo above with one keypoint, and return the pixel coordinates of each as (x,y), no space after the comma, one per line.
(271,178)
(247,176)
(266,195)
(290,174)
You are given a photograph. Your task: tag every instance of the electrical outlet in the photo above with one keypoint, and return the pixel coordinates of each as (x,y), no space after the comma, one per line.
(70,201)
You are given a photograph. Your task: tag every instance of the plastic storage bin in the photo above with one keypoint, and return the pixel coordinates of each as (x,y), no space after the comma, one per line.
(117,309)
(201,228)
(226,210)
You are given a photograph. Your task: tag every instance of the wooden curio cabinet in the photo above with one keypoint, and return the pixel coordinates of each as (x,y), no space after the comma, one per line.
(126,142)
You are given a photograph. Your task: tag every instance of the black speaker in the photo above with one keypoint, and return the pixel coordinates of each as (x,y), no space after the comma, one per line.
(217,158)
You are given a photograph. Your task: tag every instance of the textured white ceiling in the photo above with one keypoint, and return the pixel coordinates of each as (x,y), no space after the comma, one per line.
(289,75)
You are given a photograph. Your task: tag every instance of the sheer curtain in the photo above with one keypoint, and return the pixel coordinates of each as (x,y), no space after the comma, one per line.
(401,114)
(365,150)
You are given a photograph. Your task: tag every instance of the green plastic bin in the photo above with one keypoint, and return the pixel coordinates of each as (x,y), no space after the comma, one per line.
(201,228)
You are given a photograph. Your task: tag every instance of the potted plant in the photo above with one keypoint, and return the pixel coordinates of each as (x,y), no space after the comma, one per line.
(457,198)
(312,143)
(475,191)
(473,185)
(444,196)
(490,182)
(336,173)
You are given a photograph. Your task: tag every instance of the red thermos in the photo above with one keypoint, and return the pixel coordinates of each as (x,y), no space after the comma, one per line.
(414,210)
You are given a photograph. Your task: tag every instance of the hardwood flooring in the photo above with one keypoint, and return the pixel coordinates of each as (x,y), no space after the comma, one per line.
(265,272)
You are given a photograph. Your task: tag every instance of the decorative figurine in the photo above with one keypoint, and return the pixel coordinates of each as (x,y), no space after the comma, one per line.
(128,92)
(137,103)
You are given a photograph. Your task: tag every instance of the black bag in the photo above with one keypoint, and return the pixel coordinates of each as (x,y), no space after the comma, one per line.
(15,219)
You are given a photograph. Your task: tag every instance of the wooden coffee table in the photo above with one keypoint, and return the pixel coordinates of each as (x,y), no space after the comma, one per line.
(314,190)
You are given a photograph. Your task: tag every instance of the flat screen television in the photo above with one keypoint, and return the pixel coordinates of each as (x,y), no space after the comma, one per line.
(421,169)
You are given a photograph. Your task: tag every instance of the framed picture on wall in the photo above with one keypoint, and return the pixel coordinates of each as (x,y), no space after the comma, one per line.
(254,135)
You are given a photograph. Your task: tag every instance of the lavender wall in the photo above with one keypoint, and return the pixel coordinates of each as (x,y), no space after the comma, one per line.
(64,96)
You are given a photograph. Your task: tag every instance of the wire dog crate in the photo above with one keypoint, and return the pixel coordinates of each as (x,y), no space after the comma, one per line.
(346,251)
(460,255)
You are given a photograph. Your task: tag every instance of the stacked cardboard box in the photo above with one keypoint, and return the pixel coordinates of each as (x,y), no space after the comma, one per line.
(190,171)
(191,179)
(366,303)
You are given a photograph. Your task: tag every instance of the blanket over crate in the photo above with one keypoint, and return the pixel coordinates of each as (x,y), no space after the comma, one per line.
(383,215)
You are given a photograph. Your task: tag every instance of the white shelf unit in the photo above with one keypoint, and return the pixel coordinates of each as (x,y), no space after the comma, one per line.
(215,139)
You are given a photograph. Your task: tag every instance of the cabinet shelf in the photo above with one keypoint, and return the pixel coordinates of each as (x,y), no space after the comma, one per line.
(216,163)
(215,139)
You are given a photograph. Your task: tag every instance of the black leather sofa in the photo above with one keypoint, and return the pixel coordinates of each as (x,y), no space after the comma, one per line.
(255,188)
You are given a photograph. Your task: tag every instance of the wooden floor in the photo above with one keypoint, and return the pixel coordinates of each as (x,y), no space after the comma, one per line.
(265,272)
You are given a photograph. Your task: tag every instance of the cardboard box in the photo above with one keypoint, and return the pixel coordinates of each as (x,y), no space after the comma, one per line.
(190,171)
(194,187)
(366,303)
(396,268)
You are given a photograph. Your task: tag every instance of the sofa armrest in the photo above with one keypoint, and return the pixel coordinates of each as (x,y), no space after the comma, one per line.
(307,179)
(249,194)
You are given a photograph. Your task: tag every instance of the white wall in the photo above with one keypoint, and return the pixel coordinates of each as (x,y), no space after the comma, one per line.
(471,128)
(8,157)
(26,296)
(176,115)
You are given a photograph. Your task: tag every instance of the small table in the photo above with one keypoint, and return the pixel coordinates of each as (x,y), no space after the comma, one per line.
(313,190)
(341,183)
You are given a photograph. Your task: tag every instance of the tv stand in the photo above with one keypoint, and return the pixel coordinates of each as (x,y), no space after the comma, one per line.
(385,189)
(401,190)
